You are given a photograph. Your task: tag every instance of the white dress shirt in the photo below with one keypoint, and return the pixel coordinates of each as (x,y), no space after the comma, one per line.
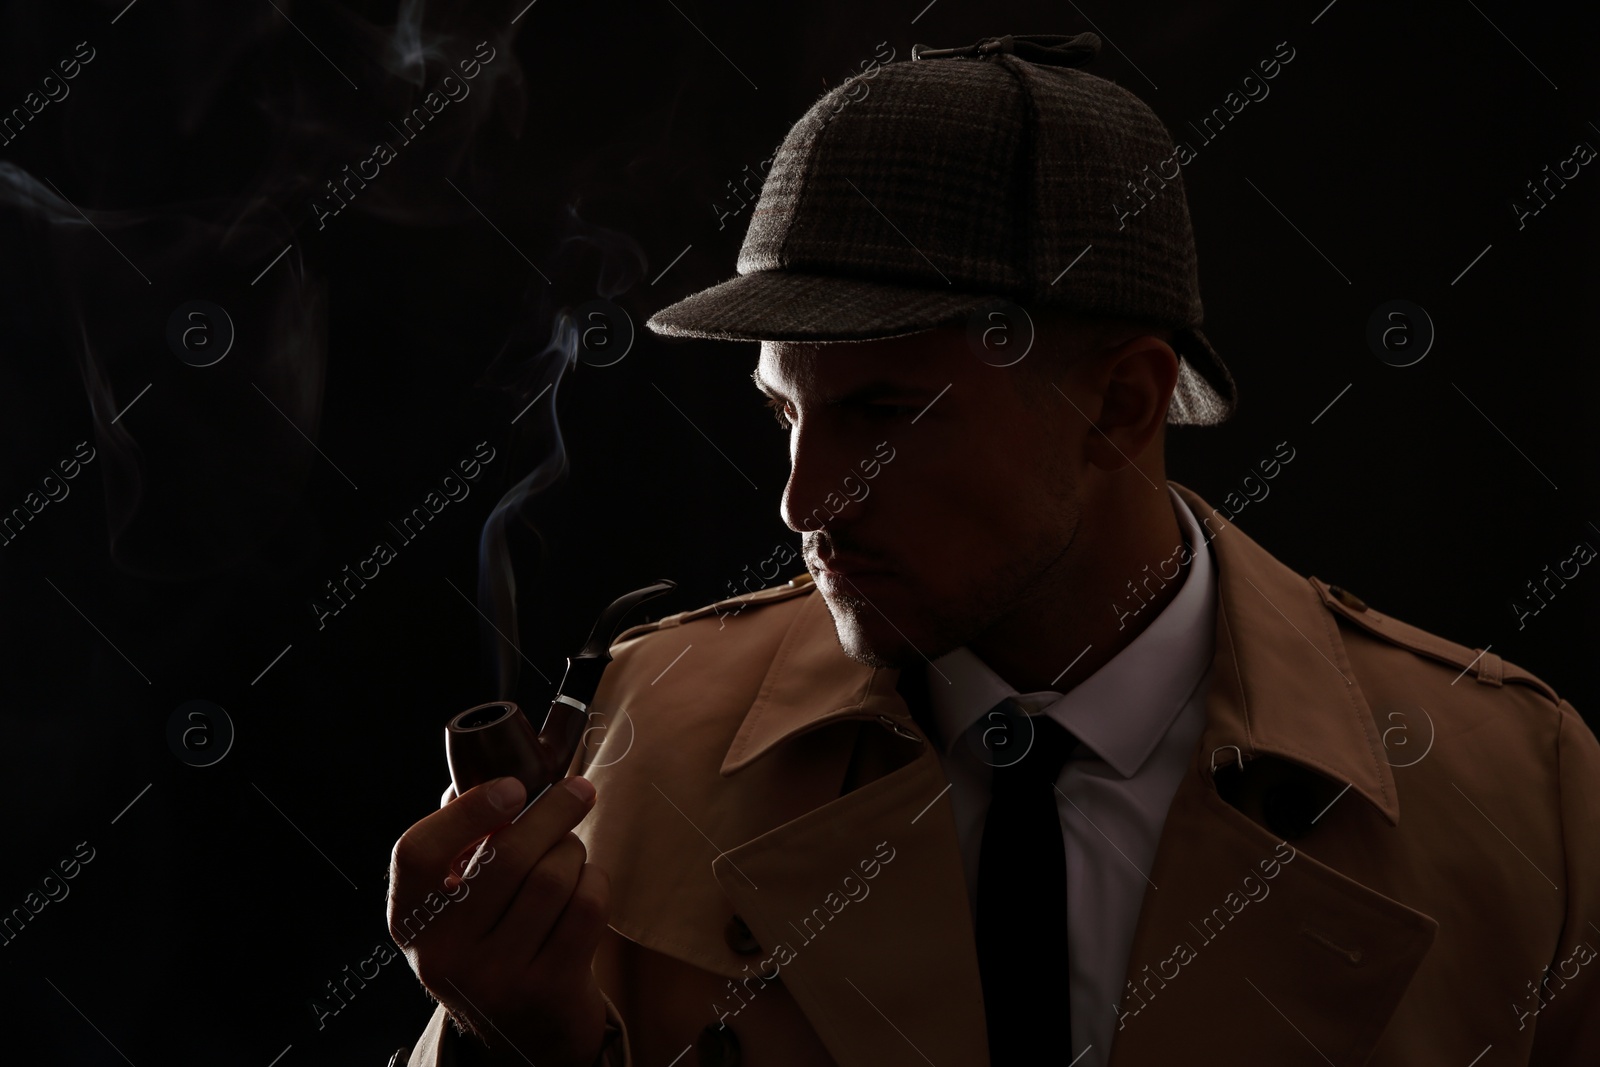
(1139,717)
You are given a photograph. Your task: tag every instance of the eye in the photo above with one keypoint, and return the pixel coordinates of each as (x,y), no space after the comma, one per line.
(781,411)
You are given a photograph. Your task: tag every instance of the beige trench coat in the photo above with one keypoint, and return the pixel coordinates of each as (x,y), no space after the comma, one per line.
(787,889)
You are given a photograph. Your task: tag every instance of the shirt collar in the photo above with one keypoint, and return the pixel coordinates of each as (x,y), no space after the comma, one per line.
(1122,711)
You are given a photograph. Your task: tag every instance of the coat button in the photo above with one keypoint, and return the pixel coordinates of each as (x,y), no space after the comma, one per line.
(739,938)
(1347,598)
(717,1046)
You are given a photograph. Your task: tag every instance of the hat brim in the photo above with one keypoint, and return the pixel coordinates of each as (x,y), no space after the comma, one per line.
(795,306)
(1206,394)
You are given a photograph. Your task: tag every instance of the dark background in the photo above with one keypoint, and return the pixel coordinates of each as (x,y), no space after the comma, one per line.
(595,148)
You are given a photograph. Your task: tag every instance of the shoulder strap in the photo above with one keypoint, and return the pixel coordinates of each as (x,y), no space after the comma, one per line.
(1487,668)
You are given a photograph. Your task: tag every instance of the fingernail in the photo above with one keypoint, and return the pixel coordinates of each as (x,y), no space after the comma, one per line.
(507,794)
(580,787)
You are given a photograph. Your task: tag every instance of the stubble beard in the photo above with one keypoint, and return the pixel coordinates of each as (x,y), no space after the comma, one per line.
(875,639)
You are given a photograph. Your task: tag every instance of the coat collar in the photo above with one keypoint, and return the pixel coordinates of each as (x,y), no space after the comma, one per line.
(1329,961)
(1282,684)
(810,683)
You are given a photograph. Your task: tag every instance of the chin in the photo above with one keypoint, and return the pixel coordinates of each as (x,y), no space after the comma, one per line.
(865,637)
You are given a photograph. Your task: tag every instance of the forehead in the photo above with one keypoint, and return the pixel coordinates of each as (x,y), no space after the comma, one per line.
(916,360)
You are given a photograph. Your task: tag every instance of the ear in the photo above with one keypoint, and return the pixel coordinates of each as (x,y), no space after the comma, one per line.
(1135,380)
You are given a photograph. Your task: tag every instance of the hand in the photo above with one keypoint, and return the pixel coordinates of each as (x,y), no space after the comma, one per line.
(507,945)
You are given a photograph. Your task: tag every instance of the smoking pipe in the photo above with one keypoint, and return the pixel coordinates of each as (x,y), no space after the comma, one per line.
(496,739)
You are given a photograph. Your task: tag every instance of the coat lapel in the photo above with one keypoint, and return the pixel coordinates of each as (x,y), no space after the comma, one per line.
(860,901)
(1250,939)
(891,977)
(835,846)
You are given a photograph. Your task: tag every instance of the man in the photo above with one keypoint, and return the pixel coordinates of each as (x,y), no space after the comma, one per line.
(1044,761)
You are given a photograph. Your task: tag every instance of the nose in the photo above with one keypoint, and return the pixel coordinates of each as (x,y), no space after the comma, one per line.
(819,493)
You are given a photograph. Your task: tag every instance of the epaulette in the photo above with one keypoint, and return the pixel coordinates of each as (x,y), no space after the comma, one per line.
(796,586)
(1487,668)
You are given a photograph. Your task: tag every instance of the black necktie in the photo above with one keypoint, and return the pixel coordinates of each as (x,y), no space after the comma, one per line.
(1022,890)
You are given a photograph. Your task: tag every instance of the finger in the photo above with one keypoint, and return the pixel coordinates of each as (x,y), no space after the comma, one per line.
(463,866)
(453,879)
(521,844)
(539,900)
(425,852)
(570,946)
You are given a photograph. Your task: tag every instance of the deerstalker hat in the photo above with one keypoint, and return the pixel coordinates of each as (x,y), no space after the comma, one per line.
(921,191)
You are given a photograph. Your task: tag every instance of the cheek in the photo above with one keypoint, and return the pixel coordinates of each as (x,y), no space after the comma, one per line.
(957,516)
(1012,523)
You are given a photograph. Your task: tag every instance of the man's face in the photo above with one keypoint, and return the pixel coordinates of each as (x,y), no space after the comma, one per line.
(934,498)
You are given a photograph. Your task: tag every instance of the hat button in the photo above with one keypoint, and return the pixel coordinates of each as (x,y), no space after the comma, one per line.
(1057,50)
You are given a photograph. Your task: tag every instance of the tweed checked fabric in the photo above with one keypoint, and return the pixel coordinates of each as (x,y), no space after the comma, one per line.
(957,182)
